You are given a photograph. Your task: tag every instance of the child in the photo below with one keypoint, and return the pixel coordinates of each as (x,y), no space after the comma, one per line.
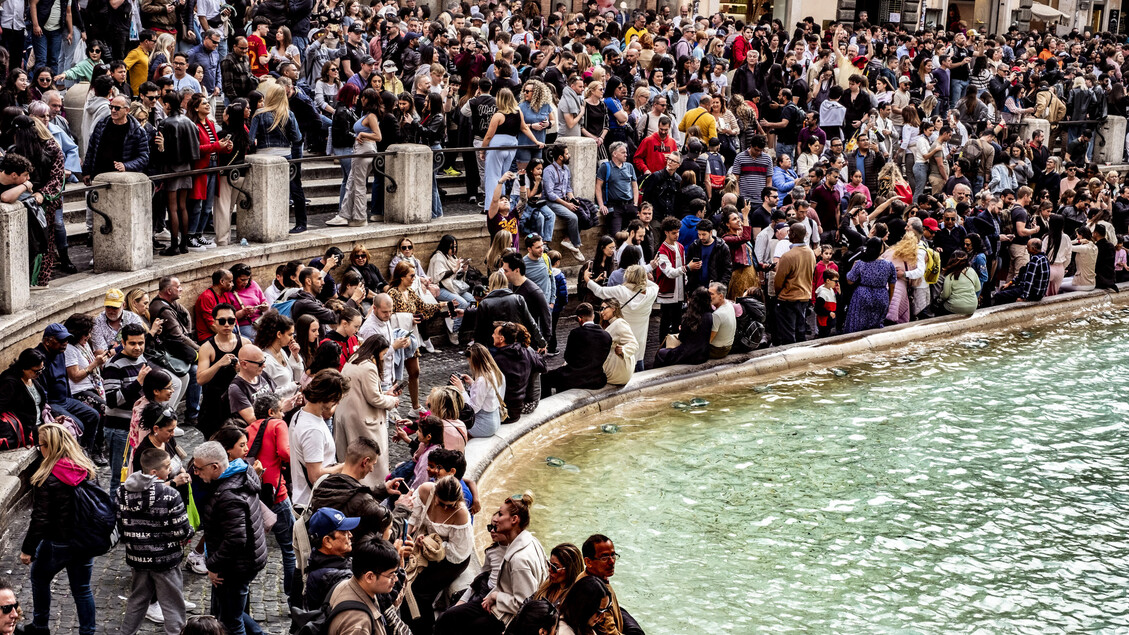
(825,264)
(429,435)
(562,296)
(825,302)
(153,523)
(443,462)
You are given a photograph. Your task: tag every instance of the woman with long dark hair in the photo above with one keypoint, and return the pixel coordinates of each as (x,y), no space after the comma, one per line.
(203,185)
(584,606)
(17,90)
(354,205)
(448,271)
(235,130)
(1056,246)
(307,332)
(875,279)
(961,288)
(693,339)
(33,141)
(341,135)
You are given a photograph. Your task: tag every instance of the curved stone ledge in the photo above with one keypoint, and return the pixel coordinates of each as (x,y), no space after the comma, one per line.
(765,363)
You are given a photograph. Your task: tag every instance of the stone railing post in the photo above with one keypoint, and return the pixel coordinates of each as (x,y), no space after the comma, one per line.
(268,181)
(1113,137)
(15,286)
(411,166)
(1029,125)
(582,163)
(128,202)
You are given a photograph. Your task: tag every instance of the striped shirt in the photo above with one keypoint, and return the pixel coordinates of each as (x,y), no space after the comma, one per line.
(753,175)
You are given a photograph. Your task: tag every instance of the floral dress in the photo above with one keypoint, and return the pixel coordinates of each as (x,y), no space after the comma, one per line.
(871,298)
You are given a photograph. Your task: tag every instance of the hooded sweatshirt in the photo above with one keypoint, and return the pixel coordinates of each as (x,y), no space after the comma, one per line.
(688,233)
(152,521)
(95,109)
(52,509)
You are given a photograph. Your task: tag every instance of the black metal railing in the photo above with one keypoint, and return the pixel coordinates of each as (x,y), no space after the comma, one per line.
(378,167)
(233,172)
(90,193)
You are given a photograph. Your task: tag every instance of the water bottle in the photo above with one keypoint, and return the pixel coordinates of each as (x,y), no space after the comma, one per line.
(243,242)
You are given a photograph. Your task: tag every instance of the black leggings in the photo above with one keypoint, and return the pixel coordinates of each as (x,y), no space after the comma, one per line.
(426,587)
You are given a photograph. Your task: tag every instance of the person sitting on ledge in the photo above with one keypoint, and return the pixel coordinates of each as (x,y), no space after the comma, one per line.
(587,348)
(1030,284)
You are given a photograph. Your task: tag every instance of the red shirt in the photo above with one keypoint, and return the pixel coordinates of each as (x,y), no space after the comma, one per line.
(205,302)
(256,48)
(274,453)
(651,155)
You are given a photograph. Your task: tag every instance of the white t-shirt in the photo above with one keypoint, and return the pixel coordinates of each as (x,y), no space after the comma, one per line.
(310,442)
(75,357)
(724,324)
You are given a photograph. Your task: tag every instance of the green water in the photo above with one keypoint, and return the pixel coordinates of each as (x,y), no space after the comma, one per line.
(977,488)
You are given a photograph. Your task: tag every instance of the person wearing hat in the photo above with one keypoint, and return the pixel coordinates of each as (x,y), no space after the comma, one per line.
(110,321)
(331,536)
(355,52)
(392,83)
(410,57)
(900,101)
(360,79)
(394,45)
(54,380)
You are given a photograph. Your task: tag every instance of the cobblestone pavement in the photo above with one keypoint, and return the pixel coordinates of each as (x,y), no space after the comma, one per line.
(111,578)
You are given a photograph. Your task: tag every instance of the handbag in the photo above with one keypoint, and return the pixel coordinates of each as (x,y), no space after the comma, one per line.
(157,355)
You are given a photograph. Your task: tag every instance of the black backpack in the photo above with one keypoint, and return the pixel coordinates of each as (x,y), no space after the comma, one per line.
(96,514)
(319,624)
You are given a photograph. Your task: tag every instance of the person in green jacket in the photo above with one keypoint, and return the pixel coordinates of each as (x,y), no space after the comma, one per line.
(81,72)
(961,286)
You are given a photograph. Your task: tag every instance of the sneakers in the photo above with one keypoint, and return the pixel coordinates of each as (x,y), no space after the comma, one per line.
(196,563)
(179,432)
(573,248)
(155,614)
(337,221)
(473,200)
(453,338)
(194,245)
(451,171)
(205,242)
(298,229)
(428,346)
(188,606)
(162,235)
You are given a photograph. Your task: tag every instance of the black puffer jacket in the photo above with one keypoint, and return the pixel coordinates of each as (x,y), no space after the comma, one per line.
(324,572)
(52,507)
(233,526)
(503,305)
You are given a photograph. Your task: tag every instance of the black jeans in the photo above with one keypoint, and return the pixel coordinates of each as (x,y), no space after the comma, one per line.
(670,317)
(468,619)
(791,318)
(620,213)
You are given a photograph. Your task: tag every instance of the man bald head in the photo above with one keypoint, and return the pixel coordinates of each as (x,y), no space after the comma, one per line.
(251,360)
(382,307)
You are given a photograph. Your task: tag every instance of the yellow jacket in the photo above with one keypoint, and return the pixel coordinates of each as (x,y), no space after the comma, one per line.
(699,117)
(137,65)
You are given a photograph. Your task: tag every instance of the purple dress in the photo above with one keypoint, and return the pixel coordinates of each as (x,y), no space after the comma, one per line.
(871,299)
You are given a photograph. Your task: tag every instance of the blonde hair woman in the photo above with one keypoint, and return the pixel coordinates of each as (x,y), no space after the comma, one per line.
(537,112)
(162,53)
(446,402)
(502,241)
(635,296)
(620,364)
(505,126)
(46,545)
(274,132)
(483,389)
(904,257)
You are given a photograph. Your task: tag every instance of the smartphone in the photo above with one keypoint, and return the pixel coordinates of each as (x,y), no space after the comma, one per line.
(695,260)
(404,525)
(451,308)
(417,316)
(400,385)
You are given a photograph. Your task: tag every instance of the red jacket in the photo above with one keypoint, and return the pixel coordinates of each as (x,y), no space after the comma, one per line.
(207,148)
(651,155)
(740,50)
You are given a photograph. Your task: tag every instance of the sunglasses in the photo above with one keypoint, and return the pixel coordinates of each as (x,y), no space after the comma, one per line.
(8,608)
(117,108)
(258,363)
(405,247)
(225,321)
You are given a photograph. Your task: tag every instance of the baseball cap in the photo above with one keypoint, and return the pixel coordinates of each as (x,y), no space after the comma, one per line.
(57,331)
(412,35)
(328,520)
(115,298)
(389,66)
(356,27)
(368,60)
(930,224)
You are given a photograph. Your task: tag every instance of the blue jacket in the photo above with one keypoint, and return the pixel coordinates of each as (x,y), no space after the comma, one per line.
(285,136)
(135,148)
(210,60)
(783,180)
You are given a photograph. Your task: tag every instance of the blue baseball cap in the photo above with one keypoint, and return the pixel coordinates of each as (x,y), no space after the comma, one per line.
(328,520)
(57,331)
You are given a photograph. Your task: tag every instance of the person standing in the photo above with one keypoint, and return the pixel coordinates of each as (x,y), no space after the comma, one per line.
(505,126)
(617,189)
(793,280)
(233,532)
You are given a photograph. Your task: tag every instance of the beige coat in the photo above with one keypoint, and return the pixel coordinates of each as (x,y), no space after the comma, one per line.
(363,412)
(524,568)
(620,369)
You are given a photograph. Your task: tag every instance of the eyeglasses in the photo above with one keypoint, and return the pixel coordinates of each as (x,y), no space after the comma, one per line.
(555,567)
(609,557)
(37,370)
(391,575)
(8,608)
(196,470)
(225,321)
(604,610)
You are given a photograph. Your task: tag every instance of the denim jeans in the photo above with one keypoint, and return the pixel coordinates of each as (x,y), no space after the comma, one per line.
(920,179)
(50,559)
(783,148)
(283,531)
(957,87)
(200,212)
(49,48)
(228,601)
(539,220)
(193,396)
(436,204)
(346,165)
(116,440)
(572,223)
(461,302)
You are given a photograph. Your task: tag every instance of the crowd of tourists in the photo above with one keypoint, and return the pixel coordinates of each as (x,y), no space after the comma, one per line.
(755,186)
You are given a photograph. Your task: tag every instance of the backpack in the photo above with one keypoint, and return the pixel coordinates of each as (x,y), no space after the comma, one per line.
(972,152)
(932,266)
(284,307)
(13,434)
(750,333)
(320,620)
(95,514)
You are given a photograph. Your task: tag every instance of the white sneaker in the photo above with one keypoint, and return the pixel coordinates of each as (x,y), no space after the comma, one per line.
(188,606)
(179,432)
(573,248)
(428,346)
(337,221)
(154,614)
(163,235)
(196,563)
(453,338)
(206,243)
(194,245)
